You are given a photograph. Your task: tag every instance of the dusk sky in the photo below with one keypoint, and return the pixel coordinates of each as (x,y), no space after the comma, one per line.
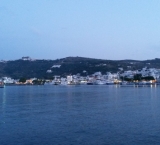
(106,29)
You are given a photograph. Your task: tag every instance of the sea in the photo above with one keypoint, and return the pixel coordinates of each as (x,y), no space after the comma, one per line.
(79,115)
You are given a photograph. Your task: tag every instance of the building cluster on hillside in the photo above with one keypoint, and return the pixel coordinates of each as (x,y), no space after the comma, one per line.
(27,58)
(151,72)
(145,75)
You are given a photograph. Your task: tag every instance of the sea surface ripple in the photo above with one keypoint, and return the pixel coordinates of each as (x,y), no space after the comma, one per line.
(79,115)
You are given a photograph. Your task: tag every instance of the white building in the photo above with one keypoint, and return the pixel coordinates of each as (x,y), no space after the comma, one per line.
(8,80)
(69,78)
(26,58)
(56,66)
(49,71)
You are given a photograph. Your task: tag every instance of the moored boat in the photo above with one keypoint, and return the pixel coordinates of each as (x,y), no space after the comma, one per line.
(109,82)
(90,82)
(127,84)
(100,82)
(1,84)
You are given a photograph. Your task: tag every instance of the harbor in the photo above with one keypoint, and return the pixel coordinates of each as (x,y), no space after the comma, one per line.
(143,77)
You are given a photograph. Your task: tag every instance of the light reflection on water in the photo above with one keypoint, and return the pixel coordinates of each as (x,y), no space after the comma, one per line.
(79,115)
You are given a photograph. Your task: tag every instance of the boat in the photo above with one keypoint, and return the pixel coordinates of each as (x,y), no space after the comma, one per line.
(56,83)
(125,83)
(63,83)
(90,82)
(109,82)
(142,83)
(1,84)
(100,82)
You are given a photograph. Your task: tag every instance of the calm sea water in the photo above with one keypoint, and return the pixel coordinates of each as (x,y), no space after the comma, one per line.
(79,115)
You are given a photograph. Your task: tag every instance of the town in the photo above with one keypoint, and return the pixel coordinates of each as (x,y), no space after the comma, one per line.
(145,76)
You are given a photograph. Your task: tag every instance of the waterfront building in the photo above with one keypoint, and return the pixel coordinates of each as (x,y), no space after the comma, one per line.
(8,80)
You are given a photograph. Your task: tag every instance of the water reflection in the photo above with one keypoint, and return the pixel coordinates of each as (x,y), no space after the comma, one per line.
(4,99)
(80,115)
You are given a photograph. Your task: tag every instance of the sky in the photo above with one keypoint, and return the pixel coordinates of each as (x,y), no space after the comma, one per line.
(105,29)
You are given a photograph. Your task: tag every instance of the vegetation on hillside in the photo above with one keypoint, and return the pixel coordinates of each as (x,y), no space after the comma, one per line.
(70,65)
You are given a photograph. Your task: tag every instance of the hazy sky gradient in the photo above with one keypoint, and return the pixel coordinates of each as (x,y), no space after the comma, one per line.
(107,29)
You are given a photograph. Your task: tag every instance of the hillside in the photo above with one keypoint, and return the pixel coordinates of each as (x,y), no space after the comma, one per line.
(69,65)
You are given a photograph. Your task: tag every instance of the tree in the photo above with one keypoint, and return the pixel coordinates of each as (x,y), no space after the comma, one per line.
(138,77)
(22,80)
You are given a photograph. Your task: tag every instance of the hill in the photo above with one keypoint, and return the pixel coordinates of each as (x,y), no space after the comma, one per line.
(69,65)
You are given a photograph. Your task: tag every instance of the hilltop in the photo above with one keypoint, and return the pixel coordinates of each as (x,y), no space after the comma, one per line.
(28,68)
